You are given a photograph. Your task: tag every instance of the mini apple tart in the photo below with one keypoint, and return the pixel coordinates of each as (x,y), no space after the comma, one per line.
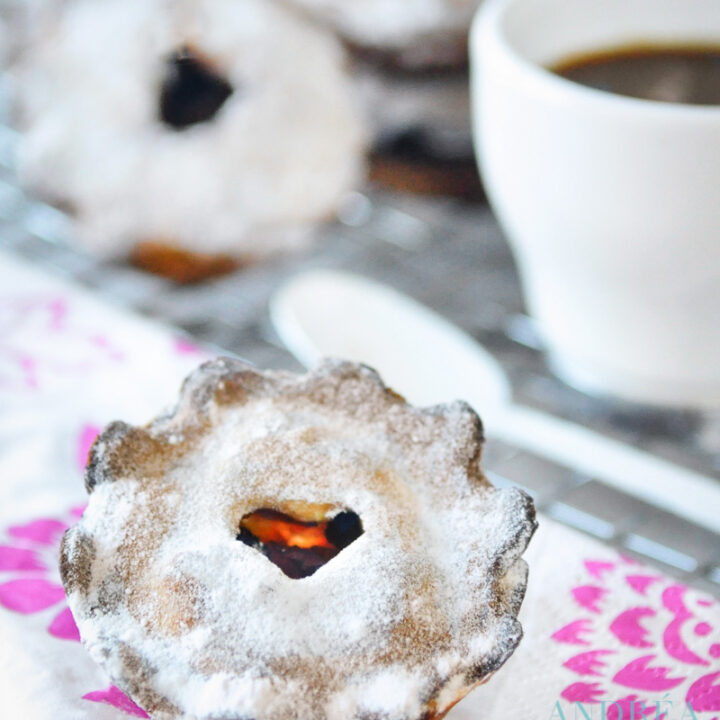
(192,136)
(287,546)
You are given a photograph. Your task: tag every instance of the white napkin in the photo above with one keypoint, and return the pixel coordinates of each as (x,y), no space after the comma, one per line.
(598,627)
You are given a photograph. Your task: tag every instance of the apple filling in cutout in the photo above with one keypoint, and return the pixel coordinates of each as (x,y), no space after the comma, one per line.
(298,547)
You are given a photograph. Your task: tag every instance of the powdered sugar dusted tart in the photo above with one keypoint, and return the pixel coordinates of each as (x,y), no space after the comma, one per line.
(219,127)
(194,603)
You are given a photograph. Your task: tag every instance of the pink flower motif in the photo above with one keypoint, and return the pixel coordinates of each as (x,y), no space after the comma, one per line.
(598,568)
(583,692)
(30,557)
(675,646)
(183,346)
(115,697)
(704,694)
(639,674)
(588,663)
(45,531)
(30,596)
(572,632)
(12,558)
(40,340)
(64,627)
(588,596)
(85,441)
(640,583)
(627,629)
(673,598)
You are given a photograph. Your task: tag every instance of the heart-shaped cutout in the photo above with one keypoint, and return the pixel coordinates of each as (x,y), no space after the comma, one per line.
(192,91)
(299,547)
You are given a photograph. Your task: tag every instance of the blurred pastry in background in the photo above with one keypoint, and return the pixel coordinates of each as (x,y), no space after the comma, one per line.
(410,60)
(408,33)
(192,137)
(422,135)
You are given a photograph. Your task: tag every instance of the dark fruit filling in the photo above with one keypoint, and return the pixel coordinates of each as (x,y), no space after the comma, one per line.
(298,548)
(344,529)
(192,92)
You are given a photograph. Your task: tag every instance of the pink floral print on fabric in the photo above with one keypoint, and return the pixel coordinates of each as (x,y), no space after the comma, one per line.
(628,629)
(183,346)
(30,581)
(588,663)
(666,643)
(589,597)
(85,441)
(40,339)
(115,697)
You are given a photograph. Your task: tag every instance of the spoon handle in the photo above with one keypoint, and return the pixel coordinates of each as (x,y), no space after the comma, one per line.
(429,360)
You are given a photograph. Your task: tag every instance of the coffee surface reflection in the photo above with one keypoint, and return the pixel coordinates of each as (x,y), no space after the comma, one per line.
(676,74)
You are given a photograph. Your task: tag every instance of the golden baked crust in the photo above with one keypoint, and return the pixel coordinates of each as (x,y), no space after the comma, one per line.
(400,624)
(180,265)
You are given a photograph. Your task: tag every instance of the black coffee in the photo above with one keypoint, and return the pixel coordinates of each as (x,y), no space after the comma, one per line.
(679,74)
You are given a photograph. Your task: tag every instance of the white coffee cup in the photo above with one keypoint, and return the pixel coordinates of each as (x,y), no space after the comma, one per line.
(611,204)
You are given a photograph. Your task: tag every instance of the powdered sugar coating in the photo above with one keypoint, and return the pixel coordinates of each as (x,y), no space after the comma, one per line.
(276,158)
(194,624)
